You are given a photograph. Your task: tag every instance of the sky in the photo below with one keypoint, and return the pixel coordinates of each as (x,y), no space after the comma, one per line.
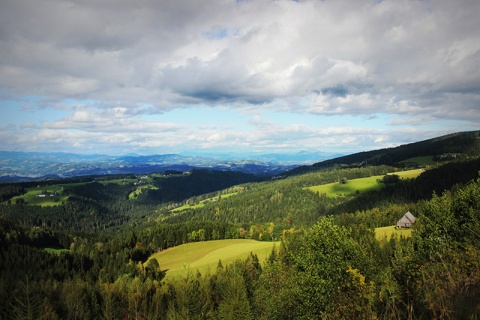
(224,76)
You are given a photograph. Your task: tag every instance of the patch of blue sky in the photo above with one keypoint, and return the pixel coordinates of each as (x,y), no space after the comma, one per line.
(28,109)
(11,112)
(217,32)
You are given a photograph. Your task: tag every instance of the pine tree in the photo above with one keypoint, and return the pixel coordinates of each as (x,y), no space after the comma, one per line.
(27,304)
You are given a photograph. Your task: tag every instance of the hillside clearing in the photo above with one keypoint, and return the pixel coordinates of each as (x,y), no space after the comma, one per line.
(422,161)
(42,196)
(56,250)
(383,234)
(408,174)
(204,256)
(133,195)
(359,185)
(203,202)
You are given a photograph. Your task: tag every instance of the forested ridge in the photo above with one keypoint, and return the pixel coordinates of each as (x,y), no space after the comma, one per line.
(328,264)
(455,145)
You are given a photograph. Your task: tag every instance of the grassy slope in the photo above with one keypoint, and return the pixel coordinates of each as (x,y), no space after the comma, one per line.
(386,233)
(204,256)
(56,251)
(362,184)
(423,161)
(409,173)
(139,189)
(203,202)
(31,198)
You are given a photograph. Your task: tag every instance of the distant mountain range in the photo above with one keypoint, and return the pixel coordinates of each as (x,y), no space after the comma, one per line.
(15,166)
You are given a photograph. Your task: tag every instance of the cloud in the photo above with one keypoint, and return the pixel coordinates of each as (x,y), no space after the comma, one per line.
(28,125)
(108,121)
(253,51)
(110,65)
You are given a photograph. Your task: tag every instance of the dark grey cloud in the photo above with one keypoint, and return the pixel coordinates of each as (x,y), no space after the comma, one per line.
(224,50)
(414,62)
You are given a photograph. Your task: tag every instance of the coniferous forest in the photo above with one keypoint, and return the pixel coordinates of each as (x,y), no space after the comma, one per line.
(239,159)
(87,255)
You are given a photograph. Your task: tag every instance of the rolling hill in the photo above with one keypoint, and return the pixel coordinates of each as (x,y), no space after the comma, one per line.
(204,256)
(455,145)
(87,254)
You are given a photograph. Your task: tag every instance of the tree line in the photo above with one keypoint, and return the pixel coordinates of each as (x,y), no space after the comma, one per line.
(333,269)
(328,265)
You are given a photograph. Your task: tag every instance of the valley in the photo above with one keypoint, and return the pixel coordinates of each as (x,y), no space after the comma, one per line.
(200,243)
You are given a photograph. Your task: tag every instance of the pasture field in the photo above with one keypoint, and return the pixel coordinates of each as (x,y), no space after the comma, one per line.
(337,189)
(53,195)
(203,256)
(361,185)
(423,161)
(187,206)
(45,196)
(203,202)
(73,184)
(117,181)
(409,174)
(383,234)
(139,189)
(56,251)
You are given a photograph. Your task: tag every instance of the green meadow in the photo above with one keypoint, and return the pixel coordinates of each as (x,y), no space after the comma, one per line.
(43,196)
(423,161)
(53,195)
(409,174)
(139,189)
(56,251)
(353,186)
(123,181)
(203,202)
(204,256)
(383,234)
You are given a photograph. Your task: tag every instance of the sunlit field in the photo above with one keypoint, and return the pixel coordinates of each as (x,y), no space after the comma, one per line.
(354,186)
(386,233)
(204,256)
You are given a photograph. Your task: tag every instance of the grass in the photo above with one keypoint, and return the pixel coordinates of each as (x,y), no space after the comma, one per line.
(337,189)
(55,250)
(73,184)
(409,174)
(203,202)
(117,181)
(204,256)
(139,189)
(383,234)
(31,197)
(187,206)
(423,161)
(361,185)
